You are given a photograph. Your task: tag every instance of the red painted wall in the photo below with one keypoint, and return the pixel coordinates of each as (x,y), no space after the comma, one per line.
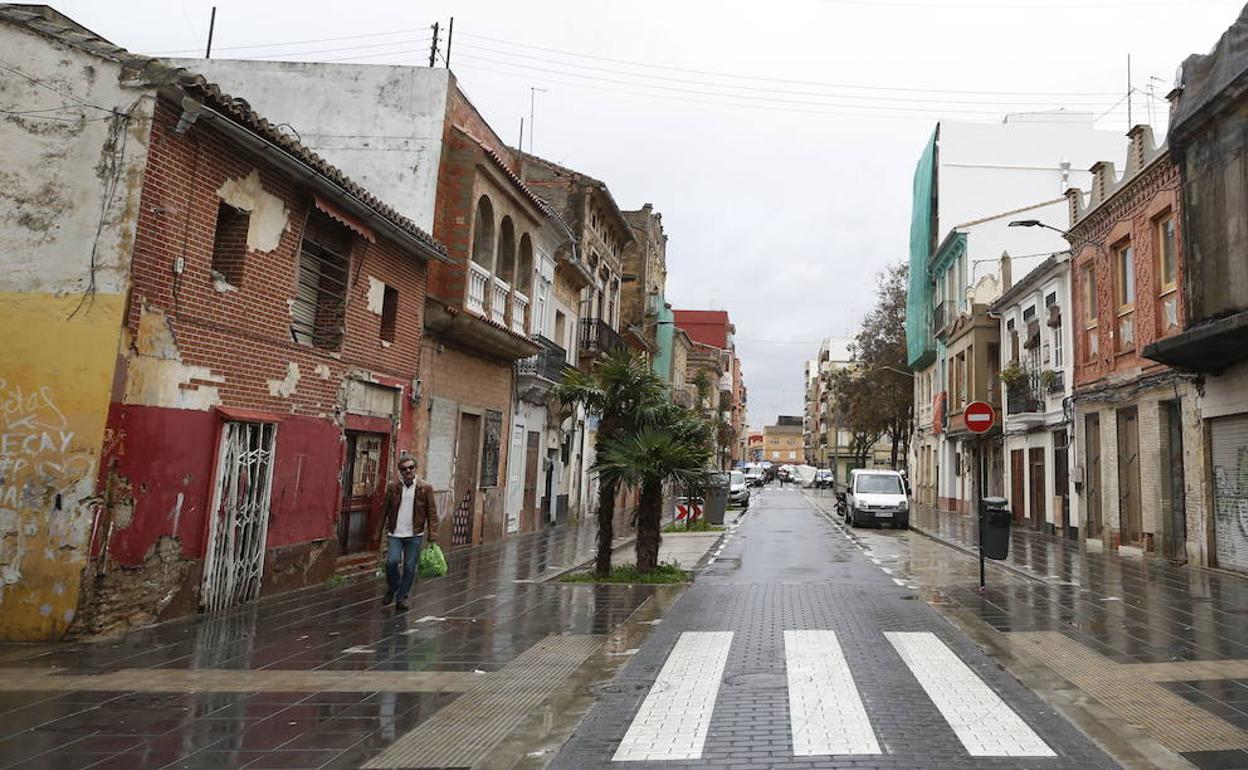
(710,327)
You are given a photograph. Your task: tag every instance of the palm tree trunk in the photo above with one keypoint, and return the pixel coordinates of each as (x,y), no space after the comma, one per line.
(606,528)
(649,519)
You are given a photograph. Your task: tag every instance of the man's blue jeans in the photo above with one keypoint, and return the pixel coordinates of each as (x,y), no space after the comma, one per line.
(404,551)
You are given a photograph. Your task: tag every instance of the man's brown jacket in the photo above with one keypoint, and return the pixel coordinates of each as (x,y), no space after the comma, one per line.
(424,509)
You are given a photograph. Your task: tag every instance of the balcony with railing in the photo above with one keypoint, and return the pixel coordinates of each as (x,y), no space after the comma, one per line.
(598,338)
(498,301)
(1024,396)
(478,280)
(940,317)
(519,310)
(549,364)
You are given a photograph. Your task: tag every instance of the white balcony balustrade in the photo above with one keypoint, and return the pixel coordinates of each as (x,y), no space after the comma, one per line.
(498,302)
(478,279)
(519,309)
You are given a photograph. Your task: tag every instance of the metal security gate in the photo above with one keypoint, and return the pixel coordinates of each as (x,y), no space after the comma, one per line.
(1229,442)
(240,515)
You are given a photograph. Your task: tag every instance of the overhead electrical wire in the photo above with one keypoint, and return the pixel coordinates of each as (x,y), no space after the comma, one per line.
(752,98)
(294,42)
(780,80)
(763,89)
(929,116)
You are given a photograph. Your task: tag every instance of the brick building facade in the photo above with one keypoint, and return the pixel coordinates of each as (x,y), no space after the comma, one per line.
(1137,427)
(268,352)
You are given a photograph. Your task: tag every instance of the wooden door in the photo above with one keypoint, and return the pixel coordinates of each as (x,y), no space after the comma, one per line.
(1176,537)
(363,484)
(467,459)
(1130,522)
(1036,462)
(1092,474)
(528,505)
(1017,498)
(1061,480)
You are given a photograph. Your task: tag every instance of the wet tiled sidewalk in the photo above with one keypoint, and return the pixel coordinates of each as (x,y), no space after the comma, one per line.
(319,678)
(1152,628)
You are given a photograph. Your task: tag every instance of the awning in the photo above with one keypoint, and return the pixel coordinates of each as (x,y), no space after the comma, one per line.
(350,222)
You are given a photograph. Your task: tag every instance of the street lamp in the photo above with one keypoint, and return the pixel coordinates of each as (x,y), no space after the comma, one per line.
(1064,233)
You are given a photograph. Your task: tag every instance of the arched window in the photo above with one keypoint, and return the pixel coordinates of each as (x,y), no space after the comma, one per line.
(507,251)
(524,279)
(483,234)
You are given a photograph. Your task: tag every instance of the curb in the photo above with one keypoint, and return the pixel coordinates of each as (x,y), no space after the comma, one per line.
(975,552)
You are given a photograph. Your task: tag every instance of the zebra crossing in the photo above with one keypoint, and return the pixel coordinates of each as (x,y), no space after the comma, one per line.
(827,716)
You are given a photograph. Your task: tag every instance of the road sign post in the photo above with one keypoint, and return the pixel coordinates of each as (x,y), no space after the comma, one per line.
(979,418)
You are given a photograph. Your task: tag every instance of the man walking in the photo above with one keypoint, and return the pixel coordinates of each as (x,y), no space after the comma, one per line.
(410,512)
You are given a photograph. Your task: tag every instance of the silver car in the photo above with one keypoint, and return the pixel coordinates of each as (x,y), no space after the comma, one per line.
(738,492)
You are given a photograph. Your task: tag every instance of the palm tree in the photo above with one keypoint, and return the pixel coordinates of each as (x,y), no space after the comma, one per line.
(626,394)
(673,448)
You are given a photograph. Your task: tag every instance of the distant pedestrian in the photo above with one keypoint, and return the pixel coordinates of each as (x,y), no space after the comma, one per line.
(410,512)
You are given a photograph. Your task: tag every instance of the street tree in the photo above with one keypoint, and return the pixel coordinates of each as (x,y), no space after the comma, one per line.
(881,367)
(625,394)
(674,448)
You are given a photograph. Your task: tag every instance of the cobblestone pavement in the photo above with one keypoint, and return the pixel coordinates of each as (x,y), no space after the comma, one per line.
(794,650)
(1106,631)
(1173,638)
(320,678)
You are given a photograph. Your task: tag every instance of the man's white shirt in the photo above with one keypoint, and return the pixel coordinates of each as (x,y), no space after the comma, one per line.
(407,505)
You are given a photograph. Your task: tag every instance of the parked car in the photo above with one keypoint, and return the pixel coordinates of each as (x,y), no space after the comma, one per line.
(738,492)
(824,479)
(755,477)
(876,497)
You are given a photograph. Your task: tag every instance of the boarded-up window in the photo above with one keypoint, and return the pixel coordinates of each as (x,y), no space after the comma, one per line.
(491,443)
(319,309)
(229,243)
(389,313)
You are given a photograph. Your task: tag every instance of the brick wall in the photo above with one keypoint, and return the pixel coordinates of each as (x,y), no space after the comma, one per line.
(243,335)
(461,381)
(1130,217)
(196,343)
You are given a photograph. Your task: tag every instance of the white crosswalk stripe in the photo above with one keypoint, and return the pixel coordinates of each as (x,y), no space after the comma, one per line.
(676,715)
(826,714)
(983,722)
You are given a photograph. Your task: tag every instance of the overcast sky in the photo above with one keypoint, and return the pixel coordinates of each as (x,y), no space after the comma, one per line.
(778,139)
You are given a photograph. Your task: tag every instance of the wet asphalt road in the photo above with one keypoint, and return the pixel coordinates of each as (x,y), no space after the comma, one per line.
(788,568)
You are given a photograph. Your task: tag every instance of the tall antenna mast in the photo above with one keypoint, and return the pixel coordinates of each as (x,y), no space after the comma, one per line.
(1130,122)
(212,25)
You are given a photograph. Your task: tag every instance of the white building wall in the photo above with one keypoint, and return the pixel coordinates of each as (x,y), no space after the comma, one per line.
(394,153)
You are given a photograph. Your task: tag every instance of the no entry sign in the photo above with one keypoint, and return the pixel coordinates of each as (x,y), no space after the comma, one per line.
(979,417)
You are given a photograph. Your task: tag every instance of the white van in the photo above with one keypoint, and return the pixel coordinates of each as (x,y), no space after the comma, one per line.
(876,497)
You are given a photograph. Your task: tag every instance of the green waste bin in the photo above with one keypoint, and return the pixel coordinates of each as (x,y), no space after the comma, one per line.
(994,526)
(716,497)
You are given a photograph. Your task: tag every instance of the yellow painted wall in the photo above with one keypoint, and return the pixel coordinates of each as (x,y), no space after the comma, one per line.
(55,386)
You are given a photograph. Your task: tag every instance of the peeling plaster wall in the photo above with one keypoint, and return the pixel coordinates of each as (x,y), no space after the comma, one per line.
(194,357)
(395,155)
(269,217)
(69,200)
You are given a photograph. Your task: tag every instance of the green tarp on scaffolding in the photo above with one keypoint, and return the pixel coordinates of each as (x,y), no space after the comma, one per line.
(919,347)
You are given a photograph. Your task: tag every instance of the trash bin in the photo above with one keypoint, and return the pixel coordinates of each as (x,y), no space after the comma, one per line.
(995,521)
(716,497)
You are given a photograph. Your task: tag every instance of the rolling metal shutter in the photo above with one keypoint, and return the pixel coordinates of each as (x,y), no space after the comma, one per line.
(1229,440)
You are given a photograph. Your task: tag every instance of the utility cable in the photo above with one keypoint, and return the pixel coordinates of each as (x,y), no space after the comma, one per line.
(781,80)
(764,89)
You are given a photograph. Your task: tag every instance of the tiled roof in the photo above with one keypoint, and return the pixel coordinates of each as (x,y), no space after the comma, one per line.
(154,72)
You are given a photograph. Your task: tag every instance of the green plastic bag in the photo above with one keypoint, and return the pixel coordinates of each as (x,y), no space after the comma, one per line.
(432,562)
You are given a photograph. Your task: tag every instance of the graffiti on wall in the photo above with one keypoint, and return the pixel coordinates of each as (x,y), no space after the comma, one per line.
(1231,511)
(38,458)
